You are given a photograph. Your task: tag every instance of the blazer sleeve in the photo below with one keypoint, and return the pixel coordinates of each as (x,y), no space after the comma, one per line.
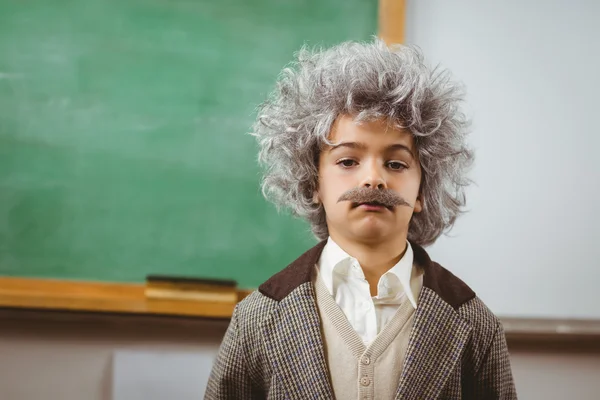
(229,378)
(494,379)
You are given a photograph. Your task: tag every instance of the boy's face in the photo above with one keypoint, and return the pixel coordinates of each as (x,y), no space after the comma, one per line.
(372,156)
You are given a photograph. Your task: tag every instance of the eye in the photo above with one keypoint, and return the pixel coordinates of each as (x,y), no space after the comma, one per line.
(347,163)
(396,166)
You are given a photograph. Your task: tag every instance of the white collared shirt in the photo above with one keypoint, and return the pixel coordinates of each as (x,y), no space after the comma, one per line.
(344,279)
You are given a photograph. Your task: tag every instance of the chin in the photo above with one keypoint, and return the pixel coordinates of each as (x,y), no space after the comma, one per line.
(371,232)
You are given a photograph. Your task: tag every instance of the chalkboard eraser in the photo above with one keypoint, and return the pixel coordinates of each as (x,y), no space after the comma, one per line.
(154,279)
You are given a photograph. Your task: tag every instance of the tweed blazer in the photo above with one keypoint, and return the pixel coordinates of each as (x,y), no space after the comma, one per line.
(273,348)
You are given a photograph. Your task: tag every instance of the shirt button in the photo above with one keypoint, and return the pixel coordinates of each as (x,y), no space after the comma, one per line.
(365,381)
(366,360)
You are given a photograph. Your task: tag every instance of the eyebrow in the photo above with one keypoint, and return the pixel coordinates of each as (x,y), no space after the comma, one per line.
(362,146)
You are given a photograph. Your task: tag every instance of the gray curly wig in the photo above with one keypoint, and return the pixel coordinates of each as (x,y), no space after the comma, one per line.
(368,81)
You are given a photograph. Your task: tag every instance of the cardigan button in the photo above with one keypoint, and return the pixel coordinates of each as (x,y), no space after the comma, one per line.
(365,381)
(366,360)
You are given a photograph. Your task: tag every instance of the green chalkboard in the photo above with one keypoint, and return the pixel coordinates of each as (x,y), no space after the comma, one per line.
(123,134)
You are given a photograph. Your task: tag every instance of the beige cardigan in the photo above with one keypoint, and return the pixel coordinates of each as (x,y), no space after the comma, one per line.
(358,371)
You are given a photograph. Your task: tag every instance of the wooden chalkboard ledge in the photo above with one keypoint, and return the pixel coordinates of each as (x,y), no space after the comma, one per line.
(122,299)
(100,297)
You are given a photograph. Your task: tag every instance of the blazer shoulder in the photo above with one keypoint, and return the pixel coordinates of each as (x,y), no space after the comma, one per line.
(253,309)
(251,314)
(481,319)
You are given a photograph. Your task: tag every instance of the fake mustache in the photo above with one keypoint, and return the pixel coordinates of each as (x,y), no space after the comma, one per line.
(385,197)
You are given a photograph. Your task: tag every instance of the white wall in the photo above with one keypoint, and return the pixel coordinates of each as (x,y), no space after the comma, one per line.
(529,245)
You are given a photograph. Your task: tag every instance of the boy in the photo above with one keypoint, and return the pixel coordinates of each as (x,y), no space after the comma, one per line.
(369,145)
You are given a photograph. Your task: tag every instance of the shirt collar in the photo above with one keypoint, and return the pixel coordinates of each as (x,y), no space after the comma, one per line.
(335,260)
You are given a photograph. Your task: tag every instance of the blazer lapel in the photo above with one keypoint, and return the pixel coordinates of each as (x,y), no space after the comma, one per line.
(293,337)
(435,347)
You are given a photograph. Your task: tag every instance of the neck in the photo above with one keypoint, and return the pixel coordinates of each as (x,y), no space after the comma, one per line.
(375,258)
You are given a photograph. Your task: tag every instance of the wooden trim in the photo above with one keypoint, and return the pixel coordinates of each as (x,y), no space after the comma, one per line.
(536,334)
(103,297)
(392,17)
(128,299)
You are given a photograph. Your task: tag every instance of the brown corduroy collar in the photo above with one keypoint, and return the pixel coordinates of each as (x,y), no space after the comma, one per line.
(450,288)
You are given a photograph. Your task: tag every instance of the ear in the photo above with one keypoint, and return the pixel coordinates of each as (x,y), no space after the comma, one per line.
(316,199)
(418,205)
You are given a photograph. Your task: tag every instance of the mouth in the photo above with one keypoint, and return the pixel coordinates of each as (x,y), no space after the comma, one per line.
(372,206)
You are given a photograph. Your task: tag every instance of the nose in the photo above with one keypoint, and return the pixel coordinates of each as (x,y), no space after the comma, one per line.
(373,178)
